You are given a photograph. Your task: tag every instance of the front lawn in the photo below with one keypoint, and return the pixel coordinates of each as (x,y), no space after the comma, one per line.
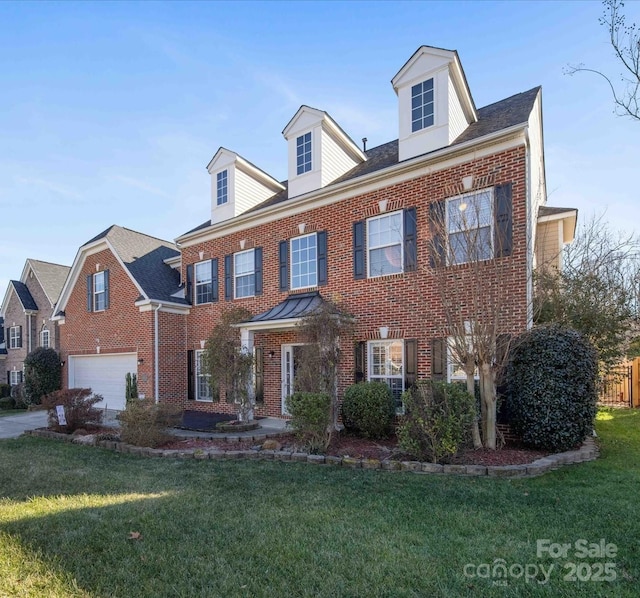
(81,521)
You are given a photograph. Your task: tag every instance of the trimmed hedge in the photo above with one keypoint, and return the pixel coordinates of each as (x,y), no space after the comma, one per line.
(552,387)
(42,374)
(368,409)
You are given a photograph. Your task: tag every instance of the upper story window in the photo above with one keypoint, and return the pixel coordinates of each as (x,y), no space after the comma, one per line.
(384,244)
(244,274)
(470,223)
(44,339)
(99,292)
(222,188)
(386,364)
(204,282)
(15,337)
(304,261)
(422,105)
(303,153)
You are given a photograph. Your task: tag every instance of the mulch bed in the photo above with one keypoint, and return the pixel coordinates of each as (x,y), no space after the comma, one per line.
(344,445)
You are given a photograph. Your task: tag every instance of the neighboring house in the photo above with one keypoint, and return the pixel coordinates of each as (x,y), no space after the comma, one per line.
(27,309)
(356,227)
(556,228)
(122,311)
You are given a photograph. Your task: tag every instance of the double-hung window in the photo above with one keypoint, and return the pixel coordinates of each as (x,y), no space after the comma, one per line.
(386,364)
(422,105)
(385,244)
(15,377)
(204,282)
(222,195)
(99,292)
(15,337)
(244,274)
(303,153)
(44,339)
(203,386)
(470,223)
(304,261)
(455,369)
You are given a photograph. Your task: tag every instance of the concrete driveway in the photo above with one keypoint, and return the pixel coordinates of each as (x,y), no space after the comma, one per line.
(12,426)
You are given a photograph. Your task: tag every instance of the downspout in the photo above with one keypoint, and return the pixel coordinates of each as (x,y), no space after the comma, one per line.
(532,222)
(29,328)
(156,356)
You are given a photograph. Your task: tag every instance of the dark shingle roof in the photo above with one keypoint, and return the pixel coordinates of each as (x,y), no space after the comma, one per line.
(552,211)
(144,256)
(493,118)
(24,295)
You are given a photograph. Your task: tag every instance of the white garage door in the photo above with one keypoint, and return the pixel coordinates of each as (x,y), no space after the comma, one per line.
(104,375)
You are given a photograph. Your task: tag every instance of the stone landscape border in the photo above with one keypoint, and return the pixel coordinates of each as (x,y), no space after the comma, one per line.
(587,452)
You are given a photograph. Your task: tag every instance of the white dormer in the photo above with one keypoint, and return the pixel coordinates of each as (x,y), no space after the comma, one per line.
(434,101)
(237,185)
(319,151)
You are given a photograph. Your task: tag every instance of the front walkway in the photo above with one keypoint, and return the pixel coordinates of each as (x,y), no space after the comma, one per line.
(13,426)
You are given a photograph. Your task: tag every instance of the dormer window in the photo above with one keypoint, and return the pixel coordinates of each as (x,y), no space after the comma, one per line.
(422,105)
(222,188)
(303,153)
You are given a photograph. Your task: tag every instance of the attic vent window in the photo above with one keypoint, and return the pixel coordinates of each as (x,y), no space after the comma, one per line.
(221,188)
(422,105)
(303,153)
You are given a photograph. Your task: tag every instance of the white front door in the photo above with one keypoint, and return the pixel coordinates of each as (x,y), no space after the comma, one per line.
(289,359)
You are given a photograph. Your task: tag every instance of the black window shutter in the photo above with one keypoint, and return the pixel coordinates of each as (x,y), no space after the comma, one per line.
(436,224)
(504,226)
(190,375)
(106,289)
(410,240)
(259,373)
(228,277)
(90,292)
(19,337)
(283,258)
(322,258)
(439,359)
(359,361)
(189,286)
(21,376)
(410,362)
(8,377)
(359,270)
(214,280)
(257,268)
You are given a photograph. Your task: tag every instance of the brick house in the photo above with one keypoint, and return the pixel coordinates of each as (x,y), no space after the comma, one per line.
(122,311)
(27,309)
(356,227)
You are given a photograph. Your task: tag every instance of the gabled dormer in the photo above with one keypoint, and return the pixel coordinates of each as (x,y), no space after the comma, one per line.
(319,151)
(434,102)
(237,185)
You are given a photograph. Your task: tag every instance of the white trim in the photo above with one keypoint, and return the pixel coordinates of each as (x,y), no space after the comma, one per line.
(165,307)
(309,286)
(370,248)
(198,355)
(273,325)
(383,378)
(236,275)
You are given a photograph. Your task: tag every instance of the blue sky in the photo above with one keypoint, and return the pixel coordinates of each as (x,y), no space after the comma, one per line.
(109,112)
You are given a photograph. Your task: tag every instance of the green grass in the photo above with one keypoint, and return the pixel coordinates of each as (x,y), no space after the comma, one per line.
(243,528)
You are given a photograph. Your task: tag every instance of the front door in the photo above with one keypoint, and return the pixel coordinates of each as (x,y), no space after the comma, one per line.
(290,356)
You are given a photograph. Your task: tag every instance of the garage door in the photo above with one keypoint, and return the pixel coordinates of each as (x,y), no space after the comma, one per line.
(104,374)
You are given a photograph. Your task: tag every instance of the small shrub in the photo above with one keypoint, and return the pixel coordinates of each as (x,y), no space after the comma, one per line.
(368,409)
(310,419)
(17,394)
(131,386)
(144,422)
(437,420)
(552,387)
(79,409)
(5,390)
(7,403)
(42,374)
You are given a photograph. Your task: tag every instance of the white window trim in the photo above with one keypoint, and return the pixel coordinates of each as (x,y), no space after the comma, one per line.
(369,247)
(222,174)
(377,378)
(12,374)
(103,292)
(14,337)
(209,399)
(42,337)
(435,98)
(236,275)
(452,362)
(291,285)
(195,282)
(311,160)
(492,224)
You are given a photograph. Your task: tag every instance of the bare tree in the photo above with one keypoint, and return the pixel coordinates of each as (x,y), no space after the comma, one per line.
(625,41)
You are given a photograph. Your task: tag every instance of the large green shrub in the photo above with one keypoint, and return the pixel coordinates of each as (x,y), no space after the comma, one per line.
(144,422)
(5,390)
(79,409)
(437,420)
(551,387)
(368,409)
(7,403)
(310,418)
(42,374)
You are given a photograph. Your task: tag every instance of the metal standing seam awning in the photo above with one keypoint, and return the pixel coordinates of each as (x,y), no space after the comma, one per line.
(286,315)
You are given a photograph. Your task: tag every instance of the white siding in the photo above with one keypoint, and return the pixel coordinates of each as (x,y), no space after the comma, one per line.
(248,192)
(457,120)
(334,161)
